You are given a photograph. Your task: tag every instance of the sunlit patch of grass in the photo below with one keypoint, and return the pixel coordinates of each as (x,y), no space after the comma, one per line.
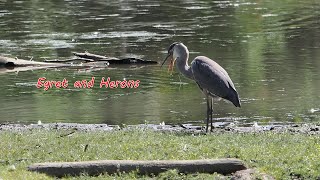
(282,155)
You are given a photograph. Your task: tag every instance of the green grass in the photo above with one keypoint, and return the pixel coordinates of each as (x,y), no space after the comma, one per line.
(281,155)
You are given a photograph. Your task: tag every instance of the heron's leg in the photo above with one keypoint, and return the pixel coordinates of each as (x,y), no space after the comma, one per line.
(208,112)
(211,112)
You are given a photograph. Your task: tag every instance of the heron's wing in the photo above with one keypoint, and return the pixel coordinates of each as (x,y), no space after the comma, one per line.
(210,76)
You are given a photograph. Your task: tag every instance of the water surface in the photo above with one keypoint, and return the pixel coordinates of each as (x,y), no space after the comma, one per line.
(270,49)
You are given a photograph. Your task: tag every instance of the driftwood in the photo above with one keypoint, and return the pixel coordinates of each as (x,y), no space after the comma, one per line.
(94,56)
(8,64)
(93,168)
(15,62)
(86,59)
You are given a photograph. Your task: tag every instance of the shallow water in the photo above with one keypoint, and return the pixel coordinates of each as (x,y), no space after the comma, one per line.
(270,49)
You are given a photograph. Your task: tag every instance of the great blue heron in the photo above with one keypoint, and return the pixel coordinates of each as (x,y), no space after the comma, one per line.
(211,78)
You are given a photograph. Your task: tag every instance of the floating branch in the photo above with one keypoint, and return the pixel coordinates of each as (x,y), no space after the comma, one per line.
(8,64)
(69,60)
(15,62)
(93,168)
(114,60)
(95,57)
(88,60)
(84,57)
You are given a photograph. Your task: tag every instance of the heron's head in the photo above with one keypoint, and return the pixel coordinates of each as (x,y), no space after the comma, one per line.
(171,56)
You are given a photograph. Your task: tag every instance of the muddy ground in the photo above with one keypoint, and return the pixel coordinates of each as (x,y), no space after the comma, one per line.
(307,128)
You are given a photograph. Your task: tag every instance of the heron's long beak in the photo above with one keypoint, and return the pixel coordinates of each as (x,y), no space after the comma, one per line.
(171,63)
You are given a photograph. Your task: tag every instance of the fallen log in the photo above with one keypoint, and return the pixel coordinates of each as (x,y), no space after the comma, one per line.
(15,62)
(86,57)
(8,65)
(82,60)
(93,168)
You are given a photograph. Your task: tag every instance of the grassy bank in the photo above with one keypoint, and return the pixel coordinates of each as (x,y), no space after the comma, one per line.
(281,155)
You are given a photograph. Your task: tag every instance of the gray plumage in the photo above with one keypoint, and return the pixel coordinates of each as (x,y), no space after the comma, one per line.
(211,78)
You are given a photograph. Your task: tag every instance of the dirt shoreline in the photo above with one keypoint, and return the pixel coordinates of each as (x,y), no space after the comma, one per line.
(306,128)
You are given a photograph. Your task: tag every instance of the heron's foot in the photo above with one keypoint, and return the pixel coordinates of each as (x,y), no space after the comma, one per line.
(209,129)
(212,128)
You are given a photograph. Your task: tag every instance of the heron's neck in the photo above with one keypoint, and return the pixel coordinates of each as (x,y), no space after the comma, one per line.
(182,64)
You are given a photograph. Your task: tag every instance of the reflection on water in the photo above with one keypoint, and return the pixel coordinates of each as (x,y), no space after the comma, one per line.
(270,49)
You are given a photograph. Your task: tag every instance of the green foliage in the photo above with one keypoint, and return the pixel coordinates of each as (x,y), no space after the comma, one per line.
(280,155)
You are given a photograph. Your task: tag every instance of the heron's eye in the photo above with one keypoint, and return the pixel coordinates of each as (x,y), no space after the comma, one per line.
(171,47)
